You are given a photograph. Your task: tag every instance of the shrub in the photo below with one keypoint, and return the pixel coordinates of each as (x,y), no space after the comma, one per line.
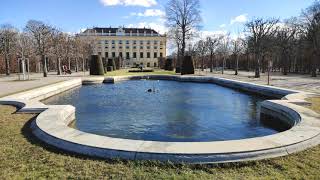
(187,66)
(112,63)
(96,65)
(118,62)
(169,65)
(110,68)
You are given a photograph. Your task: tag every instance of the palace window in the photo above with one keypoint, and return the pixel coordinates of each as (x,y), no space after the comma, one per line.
(155,55)
(134,55)
(127,55)
(141,54)
(148,54)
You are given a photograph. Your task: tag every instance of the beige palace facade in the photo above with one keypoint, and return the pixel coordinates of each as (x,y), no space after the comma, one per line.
(134,45)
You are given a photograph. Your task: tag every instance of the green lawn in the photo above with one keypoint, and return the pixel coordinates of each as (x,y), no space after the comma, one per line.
(23,156)
(124,72)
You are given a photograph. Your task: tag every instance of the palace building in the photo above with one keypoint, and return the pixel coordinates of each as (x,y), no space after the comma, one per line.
(134,45)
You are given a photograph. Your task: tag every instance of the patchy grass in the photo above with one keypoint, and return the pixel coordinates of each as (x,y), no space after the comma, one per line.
(315,104)
(23,156)
(125,72)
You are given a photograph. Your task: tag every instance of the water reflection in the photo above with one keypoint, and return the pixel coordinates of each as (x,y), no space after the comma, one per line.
(176,111)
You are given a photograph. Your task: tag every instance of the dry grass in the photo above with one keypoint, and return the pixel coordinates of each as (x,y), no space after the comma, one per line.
(315,104)
(23,156)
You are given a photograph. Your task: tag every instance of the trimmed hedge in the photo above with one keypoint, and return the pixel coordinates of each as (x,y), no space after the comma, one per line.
(168,65)
(96,65)
(118,61)
(109,68)
(187,65)
(112,63)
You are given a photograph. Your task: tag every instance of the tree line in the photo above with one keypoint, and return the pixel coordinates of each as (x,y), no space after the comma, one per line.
(288,46)
(46,47)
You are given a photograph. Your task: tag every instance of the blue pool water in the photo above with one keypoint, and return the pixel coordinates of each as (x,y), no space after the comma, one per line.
(176,111)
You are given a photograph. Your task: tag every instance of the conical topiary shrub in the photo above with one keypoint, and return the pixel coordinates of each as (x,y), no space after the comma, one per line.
(96,65)
(118,62)
(112,63)
(168,65)
(187,66)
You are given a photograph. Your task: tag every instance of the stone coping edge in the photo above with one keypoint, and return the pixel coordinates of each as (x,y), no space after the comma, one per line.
(51,126)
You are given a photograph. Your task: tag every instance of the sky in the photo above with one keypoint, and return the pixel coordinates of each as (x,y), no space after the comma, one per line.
(76,15)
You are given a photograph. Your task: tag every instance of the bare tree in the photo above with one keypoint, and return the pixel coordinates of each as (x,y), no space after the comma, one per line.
(213,43)
(42,34)
(8,35)
(224,50)
(259,30)
(311,22)
(175,35)
(285,37)
(183,15)
(202,49)
(237,48)
(58,44)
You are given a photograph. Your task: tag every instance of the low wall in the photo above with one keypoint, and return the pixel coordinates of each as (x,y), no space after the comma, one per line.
(51,126)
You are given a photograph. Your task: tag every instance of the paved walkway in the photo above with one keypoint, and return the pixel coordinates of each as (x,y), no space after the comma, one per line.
(291,81)
(10,84)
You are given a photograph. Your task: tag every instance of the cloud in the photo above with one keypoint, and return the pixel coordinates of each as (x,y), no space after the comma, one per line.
(159,27)
(144,3)
(150,13)
(239,19)
(222,25)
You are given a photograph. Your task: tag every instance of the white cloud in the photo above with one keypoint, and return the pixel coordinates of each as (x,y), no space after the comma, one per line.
(222,25)
(239,19)
(150,13)
(144,3)
(159,27)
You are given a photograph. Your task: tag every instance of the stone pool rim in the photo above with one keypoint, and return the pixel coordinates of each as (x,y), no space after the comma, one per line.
(51,126)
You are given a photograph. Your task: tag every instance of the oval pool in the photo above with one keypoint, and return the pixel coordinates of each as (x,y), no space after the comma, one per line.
(173,111)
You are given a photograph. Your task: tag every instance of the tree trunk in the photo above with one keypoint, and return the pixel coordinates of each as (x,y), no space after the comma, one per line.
(223,64)
(314,66)
(69,63)
(77,65)
(58,66)
(257,68)
(7,60)
(211,62)
(285,64)
(202,63)
(83,64)
(248,63)
(44,65)
(237,65)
